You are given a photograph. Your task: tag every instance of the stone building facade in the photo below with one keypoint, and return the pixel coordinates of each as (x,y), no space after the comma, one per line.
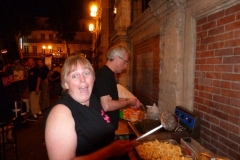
(187,53)
(43,43)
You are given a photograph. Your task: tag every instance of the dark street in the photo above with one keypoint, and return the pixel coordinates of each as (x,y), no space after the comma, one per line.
(30,141)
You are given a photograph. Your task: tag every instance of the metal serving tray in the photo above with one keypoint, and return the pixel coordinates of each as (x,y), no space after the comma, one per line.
(171,141)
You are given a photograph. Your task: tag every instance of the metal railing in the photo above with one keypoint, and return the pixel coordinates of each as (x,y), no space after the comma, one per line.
(40,55)
(56,41)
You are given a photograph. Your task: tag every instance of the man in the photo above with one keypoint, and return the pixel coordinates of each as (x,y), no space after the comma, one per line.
(105,86)
(34,79)
(44,98)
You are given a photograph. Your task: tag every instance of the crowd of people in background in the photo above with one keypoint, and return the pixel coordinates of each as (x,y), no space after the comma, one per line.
(87,113)
(43,83)
(6,102)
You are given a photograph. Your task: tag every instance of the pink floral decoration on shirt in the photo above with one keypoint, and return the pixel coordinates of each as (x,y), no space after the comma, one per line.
(105,116)
(6,81)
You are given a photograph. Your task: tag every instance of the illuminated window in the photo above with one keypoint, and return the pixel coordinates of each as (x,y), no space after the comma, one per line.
(59,49)
(25,49)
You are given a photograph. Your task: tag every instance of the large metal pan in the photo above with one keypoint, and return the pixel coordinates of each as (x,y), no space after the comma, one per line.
(168,122)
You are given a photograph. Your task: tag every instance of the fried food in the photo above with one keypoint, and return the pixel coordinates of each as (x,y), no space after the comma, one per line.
(156,150)
(132,114)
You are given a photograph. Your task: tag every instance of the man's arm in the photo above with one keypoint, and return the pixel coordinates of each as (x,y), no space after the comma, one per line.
(111,105)
(38,84)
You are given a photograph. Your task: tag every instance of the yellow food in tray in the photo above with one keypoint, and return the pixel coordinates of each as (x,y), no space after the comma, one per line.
(156,150)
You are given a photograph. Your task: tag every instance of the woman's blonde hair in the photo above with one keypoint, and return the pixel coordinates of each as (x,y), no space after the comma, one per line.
(71,63)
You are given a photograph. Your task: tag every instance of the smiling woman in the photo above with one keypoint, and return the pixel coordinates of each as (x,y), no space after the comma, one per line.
(77,126)
(78,78)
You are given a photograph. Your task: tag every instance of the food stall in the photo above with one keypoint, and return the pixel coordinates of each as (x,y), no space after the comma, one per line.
(180,141)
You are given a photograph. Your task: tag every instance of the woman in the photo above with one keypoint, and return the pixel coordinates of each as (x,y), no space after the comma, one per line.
(76,127)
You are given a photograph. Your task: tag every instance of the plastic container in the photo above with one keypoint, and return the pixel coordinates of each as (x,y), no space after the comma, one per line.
(153,112)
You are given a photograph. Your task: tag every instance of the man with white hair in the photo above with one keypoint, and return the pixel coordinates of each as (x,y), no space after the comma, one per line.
(105,86)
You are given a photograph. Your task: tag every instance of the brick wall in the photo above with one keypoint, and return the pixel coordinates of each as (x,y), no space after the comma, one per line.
(217,81)
(150,45)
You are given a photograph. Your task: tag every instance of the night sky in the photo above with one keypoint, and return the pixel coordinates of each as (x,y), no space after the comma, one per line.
(14,12)
(42,7)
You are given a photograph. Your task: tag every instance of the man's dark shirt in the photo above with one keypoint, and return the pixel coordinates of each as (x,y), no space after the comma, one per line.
(106,84)
(44,72)
(56,76)
(33,74)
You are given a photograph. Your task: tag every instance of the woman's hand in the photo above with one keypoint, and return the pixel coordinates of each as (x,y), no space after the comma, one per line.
(121,147)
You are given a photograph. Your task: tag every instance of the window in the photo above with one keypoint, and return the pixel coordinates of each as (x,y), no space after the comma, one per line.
(25,39)
(25,49)
(34,49)
(50,37)
(42,26)
(145,4)
(59,49)
(34,38)
(138,7)
(42,36)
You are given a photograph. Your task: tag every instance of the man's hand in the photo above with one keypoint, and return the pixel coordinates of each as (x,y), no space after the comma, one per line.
(136,103)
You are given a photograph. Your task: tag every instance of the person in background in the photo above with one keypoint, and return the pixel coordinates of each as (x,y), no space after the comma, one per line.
(105,86)
(44,97)
(8,69)
(76,127)
(55,80)
(57,68)
(34,79)
(6,103)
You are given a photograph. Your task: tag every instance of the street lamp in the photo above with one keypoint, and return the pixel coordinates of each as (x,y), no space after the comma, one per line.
(114,10)
(93,12)
(94,29)
(43,49)
(2,52)
(50,49)
(91,27)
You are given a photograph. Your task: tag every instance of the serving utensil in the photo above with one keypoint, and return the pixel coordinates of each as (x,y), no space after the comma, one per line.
(168,122)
